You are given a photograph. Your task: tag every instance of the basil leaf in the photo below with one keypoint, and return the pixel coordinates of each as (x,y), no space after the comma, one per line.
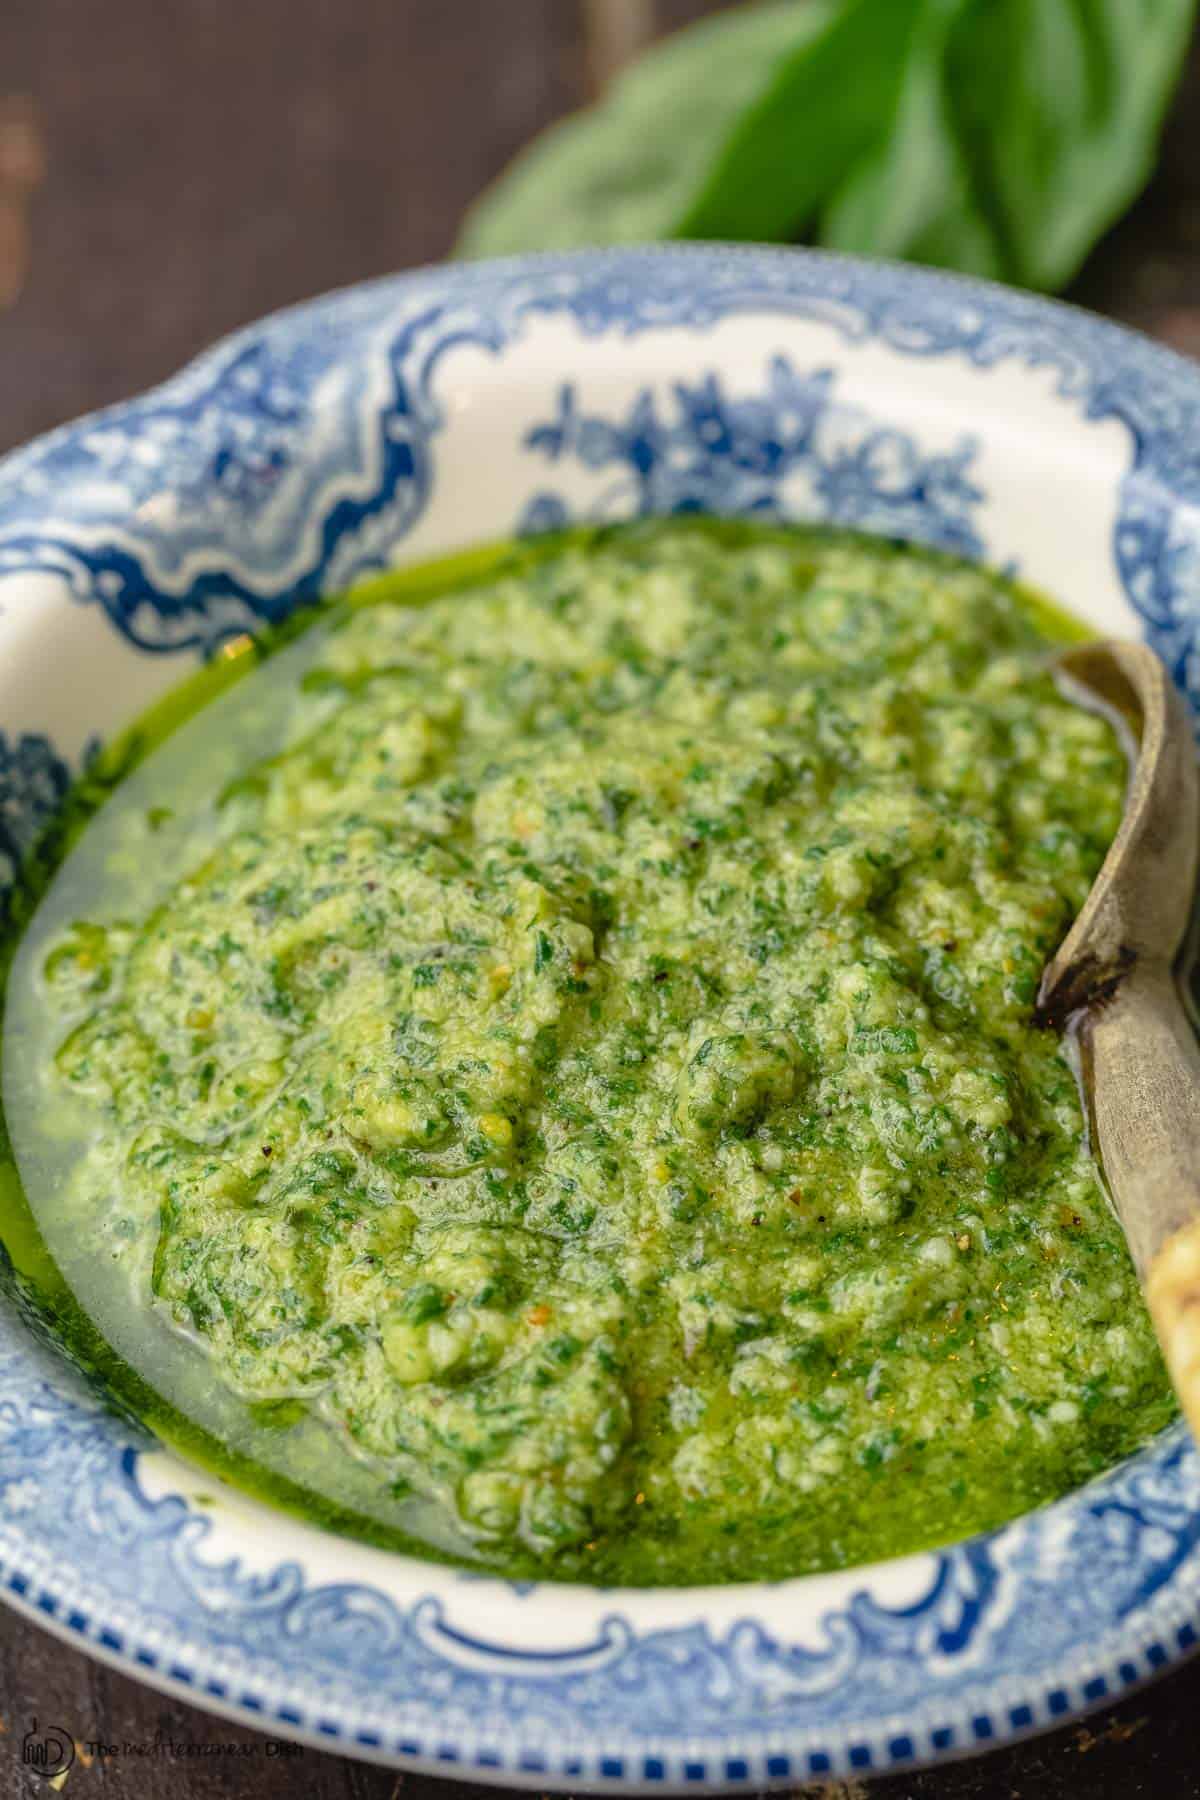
(631,168)
(1001,137)
(824,109)
(1059,105)
(913,196)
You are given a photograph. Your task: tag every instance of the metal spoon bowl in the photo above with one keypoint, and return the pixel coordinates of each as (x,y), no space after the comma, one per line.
(1113,984)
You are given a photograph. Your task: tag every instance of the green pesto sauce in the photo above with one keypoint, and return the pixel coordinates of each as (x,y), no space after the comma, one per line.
(548,1072)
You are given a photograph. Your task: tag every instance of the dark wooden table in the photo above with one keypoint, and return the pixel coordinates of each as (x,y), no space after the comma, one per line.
(169,171)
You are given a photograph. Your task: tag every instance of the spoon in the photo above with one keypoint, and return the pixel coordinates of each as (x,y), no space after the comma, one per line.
(1112,984)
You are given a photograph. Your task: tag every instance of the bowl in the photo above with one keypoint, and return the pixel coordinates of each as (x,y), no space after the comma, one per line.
(401,420)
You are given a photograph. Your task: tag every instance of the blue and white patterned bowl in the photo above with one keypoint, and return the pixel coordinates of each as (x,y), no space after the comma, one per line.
(404,419)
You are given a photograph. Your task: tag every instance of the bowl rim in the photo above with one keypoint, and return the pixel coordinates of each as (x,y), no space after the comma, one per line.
(917,276)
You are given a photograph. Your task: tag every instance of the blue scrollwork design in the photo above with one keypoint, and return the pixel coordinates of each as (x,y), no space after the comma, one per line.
(789,450)
(34,780)
(290,460)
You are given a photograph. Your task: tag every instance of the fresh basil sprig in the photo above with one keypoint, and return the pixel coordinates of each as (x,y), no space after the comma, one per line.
(997,136)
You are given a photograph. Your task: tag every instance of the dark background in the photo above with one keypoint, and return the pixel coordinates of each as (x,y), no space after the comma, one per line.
(170,169)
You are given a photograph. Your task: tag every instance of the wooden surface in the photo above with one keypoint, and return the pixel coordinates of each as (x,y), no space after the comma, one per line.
(172,168)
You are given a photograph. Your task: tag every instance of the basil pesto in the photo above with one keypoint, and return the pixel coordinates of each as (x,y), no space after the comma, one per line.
(561,1054)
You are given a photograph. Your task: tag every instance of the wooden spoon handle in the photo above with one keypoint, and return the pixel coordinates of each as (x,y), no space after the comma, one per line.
(1141,1070)
(1173,1296)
